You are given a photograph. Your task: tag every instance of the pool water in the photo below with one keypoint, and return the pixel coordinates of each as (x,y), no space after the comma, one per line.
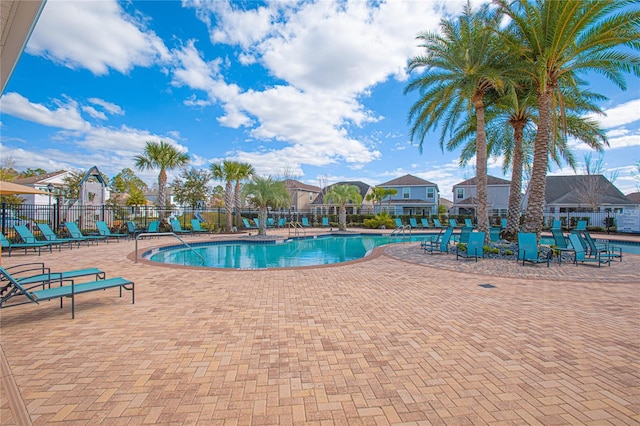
(310,251)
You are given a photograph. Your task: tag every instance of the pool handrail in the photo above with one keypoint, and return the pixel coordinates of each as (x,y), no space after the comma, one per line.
(160,234)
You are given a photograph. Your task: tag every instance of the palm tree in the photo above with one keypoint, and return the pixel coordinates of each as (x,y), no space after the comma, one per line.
(341,195)
(244,171)
(557,40)
(376,196)
(163,156)
(265,192)
(389,192)
(463,63)
(227,171)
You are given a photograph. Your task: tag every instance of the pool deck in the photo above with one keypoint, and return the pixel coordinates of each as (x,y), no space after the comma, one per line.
(401,337)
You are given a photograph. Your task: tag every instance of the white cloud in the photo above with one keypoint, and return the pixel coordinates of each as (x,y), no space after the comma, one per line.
(64,116)
(94,112)
(109,107)
(96,35)
(620,115)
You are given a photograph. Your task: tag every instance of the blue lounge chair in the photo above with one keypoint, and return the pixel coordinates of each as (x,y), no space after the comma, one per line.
(133,230)
(468,223)
(494,234)
(581,255)
(582,225)
(196,228)
(271,223)
(528,250)
(595,246)
(463,236)
(27,237)
(75,232)
(103,229)
(453,223)
(325,222)
(49,235)
(36,274)
(556,224)
(428,239)
(23,295)
(282,222)
(473,248)
(257,222)
(413,222)
(398,222)
(36,247)
(177,228)
(436,223)
(154,227)
(248,224)
(503,223)
(305,222)
(425,222)
(440,244)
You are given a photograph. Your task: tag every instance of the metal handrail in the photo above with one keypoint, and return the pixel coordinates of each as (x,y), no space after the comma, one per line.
(160,234)
(401,229)
(296,226)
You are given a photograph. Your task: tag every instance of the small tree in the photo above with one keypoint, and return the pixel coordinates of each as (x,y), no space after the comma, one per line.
(341,195)
(191,186)
(265,192)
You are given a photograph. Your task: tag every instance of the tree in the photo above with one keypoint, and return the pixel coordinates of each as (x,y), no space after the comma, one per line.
(557,40)
(243,171)
(376,196)
(462,64)
(217,196)
(136,198)
(8,174)
(226,171)
(390,192)
(163,156)
(265,192)
(126,182)
(341,195)
(191,186)
(29,172)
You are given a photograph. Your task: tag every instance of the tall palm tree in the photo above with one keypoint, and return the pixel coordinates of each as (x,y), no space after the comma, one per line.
(463,63)
(265,192)
(226,171)
(244,171)
(341,195)
(376,196)
(557,40)
(164,156)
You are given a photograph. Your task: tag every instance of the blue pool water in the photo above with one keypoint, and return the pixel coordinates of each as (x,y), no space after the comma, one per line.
(311,251)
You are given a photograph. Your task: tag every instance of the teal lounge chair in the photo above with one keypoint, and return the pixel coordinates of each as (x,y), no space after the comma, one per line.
(453,223)
(463,236)
(556,224)
(468,223)
(51,236)
(581,255)
(595,247)
(16,294)
(436,223)
(133,230)
(325,222)
(257,222)
(413,222)
(75,232)
(36,247)
(271,223)
(503,223)
(154,227)
(282,222)
(425,222)
(36,274)
(177,228)
(428,239)
(398,222)
(28,238)
(494,234)
(474,247)
(196,228)
(104,230)
(528,250)
(441,244)
(305,222)
(582,226)
(248,224)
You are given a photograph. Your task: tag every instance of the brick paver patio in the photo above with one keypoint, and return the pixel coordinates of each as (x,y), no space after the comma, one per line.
(400,338)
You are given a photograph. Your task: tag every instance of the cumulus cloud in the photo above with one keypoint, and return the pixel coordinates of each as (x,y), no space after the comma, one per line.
(65,115)
(96,35)
(109,107)
(620,115)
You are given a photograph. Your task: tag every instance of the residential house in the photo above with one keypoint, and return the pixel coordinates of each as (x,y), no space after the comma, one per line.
(584,193)
(302,195)
(415,196)
(634,197)
(50,184)
(320,208)
(465,197)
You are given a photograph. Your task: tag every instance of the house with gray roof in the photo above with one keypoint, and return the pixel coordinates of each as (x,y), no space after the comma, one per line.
(414,197)
(465,197)
(584,193)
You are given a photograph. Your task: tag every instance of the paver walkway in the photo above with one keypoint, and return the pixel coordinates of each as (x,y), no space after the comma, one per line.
(399,338)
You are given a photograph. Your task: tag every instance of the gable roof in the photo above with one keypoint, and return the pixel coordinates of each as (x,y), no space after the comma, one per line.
(39,179)
(567,190)
(294,184)
(491,180)
(363,187)
(634,197)
(408,180)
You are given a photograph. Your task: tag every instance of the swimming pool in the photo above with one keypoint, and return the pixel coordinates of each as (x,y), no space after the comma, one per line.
(290,253)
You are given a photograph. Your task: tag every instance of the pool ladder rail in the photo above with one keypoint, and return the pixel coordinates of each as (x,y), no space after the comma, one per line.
(296,227)
(400,232)
(160,234)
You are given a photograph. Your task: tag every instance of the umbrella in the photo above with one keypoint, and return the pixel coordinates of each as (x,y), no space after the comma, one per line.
(13,188)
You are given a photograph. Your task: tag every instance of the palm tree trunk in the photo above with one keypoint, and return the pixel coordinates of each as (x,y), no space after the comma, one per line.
(262,221)
(236,194)
(228,205)
(538,183)
(482,213)
(515,189)
(162,185)
(343,218)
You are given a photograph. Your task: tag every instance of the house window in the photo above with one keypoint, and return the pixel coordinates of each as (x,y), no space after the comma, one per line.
(430,192)
(406,193)
(459,193)
(311,196)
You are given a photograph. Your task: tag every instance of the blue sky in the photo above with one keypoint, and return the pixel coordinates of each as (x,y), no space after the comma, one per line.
(311,89)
